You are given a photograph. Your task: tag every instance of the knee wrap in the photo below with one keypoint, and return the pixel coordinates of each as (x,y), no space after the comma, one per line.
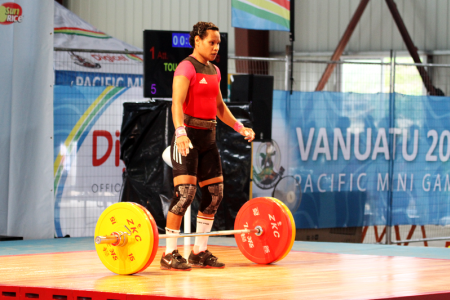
(183,196)
(211,197)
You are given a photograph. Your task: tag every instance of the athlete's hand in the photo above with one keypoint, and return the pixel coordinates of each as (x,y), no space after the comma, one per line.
(248,133)
(183,145)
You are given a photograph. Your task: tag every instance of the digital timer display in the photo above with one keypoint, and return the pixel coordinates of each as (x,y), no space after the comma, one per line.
(163,51)
(180,40)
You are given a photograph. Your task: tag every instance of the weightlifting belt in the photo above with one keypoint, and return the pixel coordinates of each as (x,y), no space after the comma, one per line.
(199,123)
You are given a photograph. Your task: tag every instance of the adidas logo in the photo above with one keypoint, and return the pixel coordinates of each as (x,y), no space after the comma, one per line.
(203,81)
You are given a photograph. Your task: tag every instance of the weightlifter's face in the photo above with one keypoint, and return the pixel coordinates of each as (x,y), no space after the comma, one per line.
(209,46)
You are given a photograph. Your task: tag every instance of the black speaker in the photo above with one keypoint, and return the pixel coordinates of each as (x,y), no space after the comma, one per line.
(258,91)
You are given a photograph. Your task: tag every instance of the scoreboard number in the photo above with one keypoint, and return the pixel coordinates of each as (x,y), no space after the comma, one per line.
(163,51)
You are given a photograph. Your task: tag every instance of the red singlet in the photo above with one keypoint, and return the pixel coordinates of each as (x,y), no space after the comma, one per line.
(204,80)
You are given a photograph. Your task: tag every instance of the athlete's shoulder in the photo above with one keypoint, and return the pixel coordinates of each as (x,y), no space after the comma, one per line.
(219,76)
(185,64)
(200,68)
(185,68)
(216,68)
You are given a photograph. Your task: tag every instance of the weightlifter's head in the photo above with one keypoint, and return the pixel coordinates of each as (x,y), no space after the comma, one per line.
(205,39)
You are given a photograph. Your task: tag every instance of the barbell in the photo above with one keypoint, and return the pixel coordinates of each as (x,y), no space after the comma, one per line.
(127,238)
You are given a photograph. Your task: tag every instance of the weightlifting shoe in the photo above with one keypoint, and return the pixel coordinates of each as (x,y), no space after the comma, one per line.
(174,262)
(205,259)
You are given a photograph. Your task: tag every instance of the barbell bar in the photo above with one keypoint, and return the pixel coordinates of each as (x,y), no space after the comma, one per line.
(120,238)
(264,233)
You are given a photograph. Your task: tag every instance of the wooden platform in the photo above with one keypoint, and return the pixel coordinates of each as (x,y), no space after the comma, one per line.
(301,275)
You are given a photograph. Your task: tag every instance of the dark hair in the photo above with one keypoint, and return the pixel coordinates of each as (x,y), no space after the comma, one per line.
(200,29)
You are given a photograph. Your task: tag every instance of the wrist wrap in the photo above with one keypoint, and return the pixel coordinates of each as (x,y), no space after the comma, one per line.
(180,131)
(238,126)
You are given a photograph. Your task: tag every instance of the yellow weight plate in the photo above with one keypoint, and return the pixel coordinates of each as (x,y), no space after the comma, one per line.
(293,226)
(133,256)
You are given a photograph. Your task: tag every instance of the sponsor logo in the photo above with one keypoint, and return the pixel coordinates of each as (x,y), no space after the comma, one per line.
(96,161)
(110,57)
(266,169)
(10,13)
(83,62)
(169,262)
(203,81)
(275,225)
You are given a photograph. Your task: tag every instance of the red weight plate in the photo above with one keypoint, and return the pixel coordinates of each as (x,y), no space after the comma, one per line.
(155,237)
(277,230)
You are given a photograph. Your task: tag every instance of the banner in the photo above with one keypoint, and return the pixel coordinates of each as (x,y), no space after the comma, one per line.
(87,165)
(261,14)
(354,157)
(97,69)
(336,159)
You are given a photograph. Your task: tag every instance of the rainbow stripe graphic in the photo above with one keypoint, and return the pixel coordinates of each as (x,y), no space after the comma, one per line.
(134,57)
(83,124)
(75,139)
(81,32)
(261,14)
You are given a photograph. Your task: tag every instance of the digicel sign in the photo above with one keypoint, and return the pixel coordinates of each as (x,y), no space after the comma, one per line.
(10,13)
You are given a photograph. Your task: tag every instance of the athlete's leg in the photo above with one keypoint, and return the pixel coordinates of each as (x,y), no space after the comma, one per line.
(212,194)
(211,184)
(185,186)
(184,193)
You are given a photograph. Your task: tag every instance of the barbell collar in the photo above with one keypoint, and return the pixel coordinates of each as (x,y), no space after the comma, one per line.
(107,239)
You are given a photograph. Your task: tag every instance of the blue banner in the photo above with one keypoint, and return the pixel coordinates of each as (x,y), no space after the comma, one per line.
(97,79)
(86,151)
(358,157)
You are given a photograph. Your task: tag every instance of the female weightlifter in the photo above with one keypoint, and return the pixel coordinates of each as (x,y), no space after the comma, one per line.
(196,101)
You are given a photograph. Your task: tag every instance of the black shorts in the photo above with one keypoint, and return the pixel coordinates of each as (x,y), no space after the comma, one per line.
(203,161)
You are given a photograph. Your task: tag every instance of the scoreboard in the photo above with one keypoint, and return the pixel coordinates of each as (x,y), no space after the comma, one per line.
(163,51)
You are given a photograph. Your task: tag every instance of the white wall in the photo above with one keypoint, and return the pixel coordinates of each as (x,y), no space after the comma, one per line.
(319,23)
(441,75)
(319,27)
(126,19)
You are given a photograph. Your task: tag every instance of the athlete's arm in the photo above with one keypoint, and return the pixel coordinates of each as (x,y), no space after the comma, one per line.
(225,115)
(180,89)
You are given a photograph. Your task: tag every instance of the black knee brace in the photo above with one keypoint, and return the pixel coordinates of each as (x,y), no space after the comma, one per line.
(211,197)
(183,196)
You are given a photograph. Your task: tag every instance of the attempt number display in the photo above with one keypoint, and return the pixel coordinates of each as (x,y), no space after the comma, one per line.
(163,51)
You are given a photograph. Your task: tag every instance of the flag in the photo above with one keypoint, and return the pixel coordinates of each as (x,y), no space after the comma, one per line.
(261,14)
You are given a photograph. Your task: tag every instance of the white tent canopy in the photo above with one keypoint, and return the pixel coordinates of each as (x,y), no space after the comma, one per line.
(73,32)
(92,68)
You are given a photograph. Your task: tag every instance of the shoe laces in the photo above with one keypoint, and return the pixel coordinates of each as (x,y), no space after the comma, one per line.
(178,256)
(210,255)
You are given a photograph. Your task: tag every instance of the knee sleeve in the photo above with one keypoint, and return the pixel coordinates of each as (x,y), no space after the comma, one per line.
(183,196)
(211,197)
